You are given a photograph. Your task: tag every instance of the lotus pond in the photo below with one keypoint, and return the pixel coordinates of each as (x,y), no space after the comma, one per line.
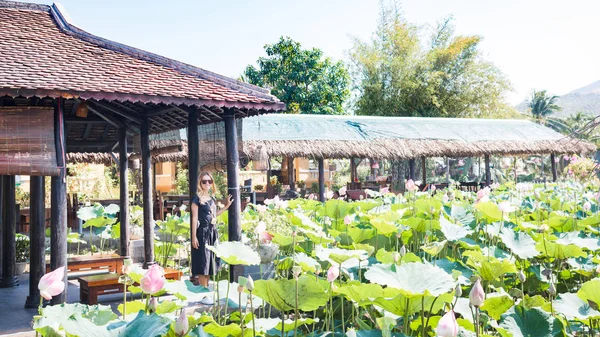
(514,261)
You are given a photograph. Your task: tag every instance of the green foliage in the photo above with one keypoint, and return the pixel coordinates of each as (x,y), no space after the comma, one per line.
(182,185)
(541,104)
(398,73)
(304,79)
(22,247)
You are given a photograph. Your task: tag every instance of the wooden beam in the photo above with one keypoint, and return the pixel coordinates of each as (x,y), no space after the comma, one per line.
(77,120)
(9,248)
(37,239)
(106,117)
(147,195)
(210,112)
(488,173)
(126,115)
(123,193)
(321,180)
(158,112)
(233,187)
(553,163)
(58,226)
(86,133)
(189,110)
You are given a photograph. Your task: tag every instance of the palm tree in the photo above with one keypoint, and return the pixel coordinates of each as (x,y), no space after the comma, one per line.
(542,104)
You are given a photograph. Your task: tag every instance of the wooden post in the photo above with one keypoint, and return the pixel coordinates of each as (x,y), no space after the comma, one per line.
(233,187)
(448,171)
(553,163)
(488,173)
(123,192)
(321,180)
(269,186)
(193,153)
(58,225)
(411,169)
(147,195)
(37,239)
(424,168)
(291,175)
(352,172)
(9,263)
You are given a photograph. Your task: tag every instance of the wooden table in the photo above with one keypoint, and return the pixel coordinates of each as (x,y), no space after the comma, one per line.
(92,286)
(111,262)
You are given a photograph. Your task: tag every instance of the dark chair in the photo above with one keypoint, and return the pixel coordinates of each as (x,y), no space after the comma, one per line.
(246,191)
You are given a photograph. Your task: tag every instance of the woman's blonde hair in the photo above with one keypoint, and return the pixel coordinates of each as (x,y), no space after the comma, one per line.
(212,185)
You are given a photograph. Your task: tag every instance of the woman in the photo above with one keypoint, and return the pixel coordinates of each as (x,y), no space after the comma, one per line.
(204,215)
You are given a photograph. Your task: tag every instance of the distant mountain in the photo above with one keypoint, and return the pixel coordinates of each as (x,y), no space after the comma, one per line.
(585,99)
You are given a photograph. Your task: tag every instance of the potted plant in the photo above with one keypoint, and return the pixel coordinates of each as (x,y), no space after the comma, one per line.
(22,252)
(258,187)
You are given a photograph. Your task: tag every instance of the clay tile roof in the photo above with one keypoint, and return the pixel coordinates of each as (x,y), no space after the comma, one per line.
(41,54)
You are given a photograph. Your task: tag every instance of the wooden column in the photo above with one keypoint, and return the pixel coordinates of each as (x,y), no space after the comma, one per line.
(193,153)
(123,192)
(9,249)
(37,239)
(269,186)
(424,169)
(233,187)
(488,173)
(58,226)
(448,171)
(291,175)
(411,169)
(352,175)
(321,180)
(147,194)
(553,163)
(371,162)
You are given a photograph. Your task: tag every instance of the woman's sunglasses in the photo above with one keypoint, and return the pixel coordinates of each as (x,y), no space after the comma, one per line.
(207,181)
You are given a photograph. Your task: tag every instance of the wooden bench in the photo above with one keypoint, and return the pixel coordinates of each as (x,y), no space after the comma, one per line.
(111,262)
(92,286)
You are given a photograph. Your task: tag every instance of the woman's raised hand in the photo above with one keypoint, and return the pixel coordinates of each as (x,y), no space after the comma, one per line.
(229,201)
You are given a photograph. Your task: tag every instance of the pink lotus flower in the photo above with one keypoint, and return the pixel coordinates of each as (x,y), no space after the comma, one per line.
(52,284)
(153,305)
(182,325)
(410,185)
(311,196)
(587,206)
(265,237)
(333,273)
(127,266)
(477,295)
(447,326)
(384,190)
(567,157)
(153,281)
(433,188)
(260,208)
(506,207)
(348,220)
(375,165)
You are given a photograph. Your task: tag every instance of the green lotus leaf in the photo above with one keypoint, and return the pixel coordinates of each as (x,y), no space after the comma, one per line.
(98,222)
(318,237)
(164,307)
(360,293)
(558,251)
(531,323)
(574,307)
(281,293)
(422,225)
(90,212)
(489,211)
(434,248)
(285,240)
(497,304)
(453,232)
(306,262)
(384,227)
(590,291)
(578,239)
(584,266)
(111,209)
(361,233)
(398,305)
(216,330)
(459,272)
(492,270)
(384,256)
(520,243)
(460,214)
(336,209)
(412,278)
(235,253)
(536,301)
(337,255)
(366,247)
(185,290)
(366,205)
(265,325)
(232,296)
(76,319)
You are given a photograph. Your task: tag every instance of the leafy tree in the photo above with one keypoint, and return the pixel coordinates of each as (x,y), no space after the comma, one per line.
(398,73)
(303,78)
(542,104)
(580,126)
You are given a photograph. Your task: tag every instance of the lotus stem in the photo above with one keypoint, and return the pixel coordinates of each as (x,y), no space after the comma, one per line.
(252,310)
(242,318)
(147,303)
(342,297)
(477,321)
(227,304)
(282,324)
(295,310)
(423,327)
(124,300)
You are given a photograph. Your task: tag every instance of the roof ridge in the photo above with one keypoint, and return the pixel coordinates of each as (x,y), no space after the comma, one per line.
(66,26)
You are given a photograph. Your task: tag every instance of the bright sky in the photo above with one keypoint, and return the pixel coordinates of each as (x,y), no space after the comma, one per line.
(541,44)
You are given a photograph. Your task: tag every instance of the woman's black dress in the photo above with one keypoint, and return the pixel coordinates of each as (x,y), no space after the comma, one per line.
(205,262)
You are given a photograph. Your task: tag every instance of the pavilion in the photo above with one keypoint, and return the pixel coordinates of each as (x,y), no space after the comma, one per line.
(63,90)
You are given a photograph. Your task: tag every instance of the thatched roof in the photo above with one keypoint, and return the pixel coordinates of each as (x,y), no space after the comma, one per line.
(318,136)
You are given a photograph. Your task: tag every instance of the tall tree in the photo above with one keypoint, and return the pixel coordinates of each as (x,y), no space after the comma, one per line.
(303,78)
(398,73)
(542,104)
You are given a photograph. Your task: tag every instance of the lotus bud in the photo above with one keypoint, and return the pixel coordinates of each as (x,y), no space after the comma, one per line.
(458,290)
(396,258)
(240,289)
(447,326)
(477,295)
(182,325)
(399,234)
(552,289)
(153,305)
(296,270)
(445,199)
(153,281)
(348,219)
(52,284)
(317,269)
(351,332)
(402,251)
(333,273)
(522,276)
(361,197)
(127,266)
(587,206)
(410,185)
(250,283)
